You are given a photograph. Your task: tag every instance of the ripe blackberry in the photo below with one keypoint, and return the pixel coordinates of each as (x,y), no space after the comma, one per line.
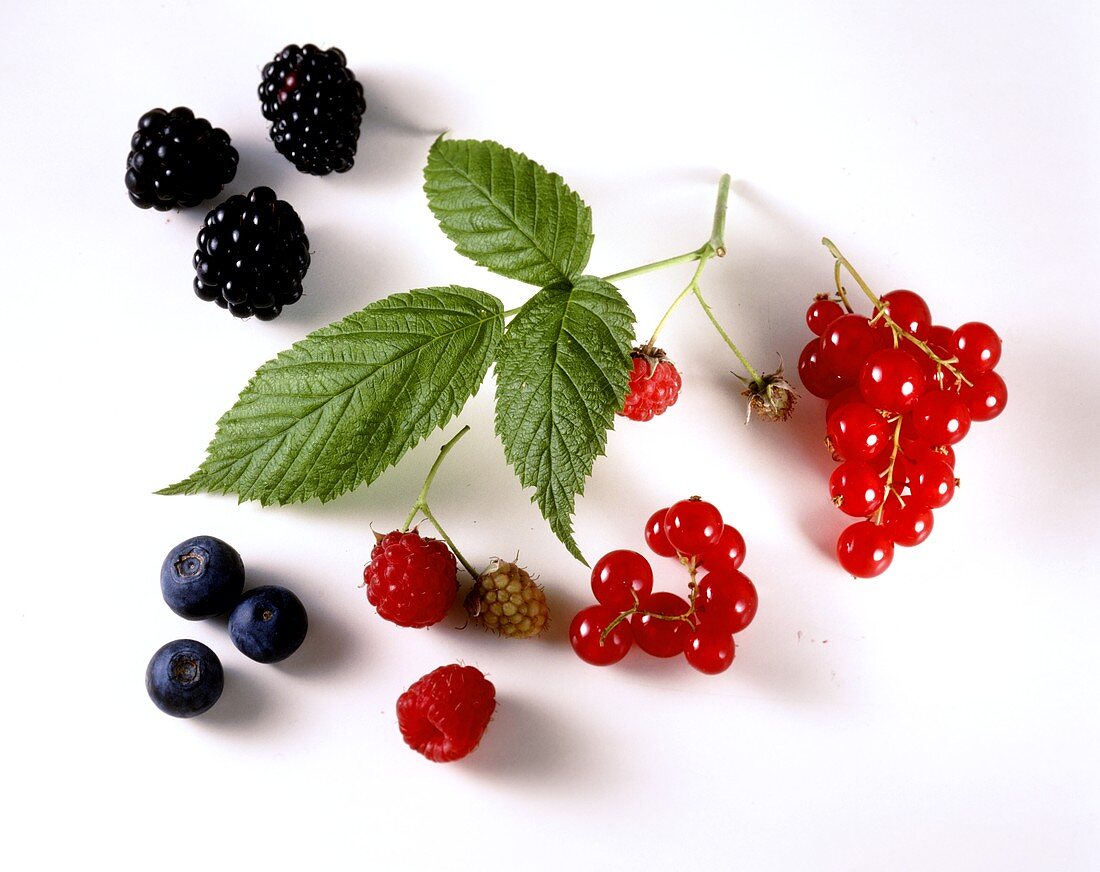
(315,106)
(177,159)
(252,255)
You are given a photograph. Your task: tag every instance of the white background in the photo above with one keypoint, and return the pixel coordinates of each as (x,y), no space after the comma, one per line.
(943,716)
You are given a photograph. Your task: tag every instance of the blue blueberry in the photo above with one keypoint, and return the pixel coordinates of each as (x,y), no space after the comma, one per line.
(184,678)
(201,577)
(268,624)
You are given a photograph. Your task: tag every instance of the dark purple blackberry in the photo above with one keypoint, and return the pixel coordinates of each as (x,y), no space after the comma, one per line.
(252,256)
(177,159)
(314,105)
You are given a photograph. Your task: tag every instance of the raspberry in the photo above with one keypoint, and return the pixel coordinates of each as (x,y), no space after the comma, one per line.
(506,600)
(177,159)
(315,106)
(252,254)
(444,715)
(411,580)
(654,385)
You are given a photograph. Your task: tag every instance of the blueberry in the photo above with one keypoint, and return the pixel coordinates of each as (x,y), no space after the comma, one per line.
(184,678)
(268,624)
(201,577)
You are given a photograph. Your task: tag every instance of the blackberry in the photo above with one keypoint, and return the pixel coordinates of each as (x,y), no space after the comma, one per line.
(177,159)
(315,106)
(252,255)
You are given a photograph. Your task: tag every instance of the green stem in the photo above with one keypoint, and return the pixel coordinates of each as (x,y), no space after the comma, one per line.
(714,247)
(691,286)
(656,265)
(439,528)
(508,313)
(421,504)
(753,374)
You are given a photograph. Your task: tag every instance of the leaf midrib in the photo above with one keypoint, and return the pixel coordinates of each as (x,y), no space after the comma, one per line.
(548,257)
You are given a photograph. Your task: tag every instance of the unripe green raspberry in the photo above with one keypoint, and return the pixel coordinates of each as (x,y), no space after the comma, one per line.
(506,600)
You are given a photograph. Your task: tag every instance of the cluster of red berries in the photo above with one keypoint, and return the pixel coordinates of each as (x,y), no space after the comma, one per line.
(902,391)
(663,624)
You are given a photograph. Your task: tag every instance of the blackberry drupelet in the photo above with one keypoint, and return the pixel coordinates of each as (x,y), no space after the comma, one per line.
(177,159)
(315,106)
(252,255)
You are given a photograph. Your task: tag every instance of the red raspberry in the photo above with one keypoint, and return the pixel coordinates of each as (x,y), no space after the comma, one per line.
(654,386)
(444,715)
(411,580)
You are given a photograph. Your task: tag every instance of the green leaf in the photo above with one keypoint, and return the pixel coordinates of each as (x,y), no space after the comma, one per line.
(506,212)
(562,373)
(339,407)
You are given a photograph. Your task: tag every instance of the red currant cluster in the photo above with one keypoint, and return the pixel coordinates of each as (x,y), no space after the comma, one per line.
(902,391)
(663,624)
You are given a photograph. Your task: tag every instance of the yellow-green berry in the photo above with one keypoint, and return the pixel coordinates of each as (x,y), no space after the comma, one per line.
(506,600)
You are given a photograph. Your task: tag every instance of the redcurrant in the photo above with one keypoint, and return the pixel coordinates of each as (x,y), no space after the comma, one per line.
(620,576)
(655,536)
(656,636)
(585,631)
(848,395)
(726,600)
(865,549)
(907,525)
(986,397)
(933,482)
(939,336)
(940,418)
(709,650)
(856,432)
(729,553)
(815,377)
(891,379)
(856,488)
(821,314)
(693,526)
(909,311)
(846,343)
(917,451)
(977,347)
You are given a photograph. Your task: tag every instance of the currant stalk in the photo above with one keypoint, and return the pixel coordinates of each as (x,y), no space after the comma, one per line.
(881,314)
(421,505)
(637,609)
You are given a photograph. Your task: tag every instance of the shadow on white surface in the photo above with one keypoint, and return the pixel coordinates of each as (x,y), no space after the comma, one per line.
(242,703)
(527,744)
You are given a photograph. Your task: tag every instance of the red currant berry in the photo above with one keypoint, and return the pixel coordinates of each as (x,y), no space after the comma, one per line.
(865,549)
(907,525)
(815,377)
(729,553)
(940,418)
(909,311)
(655,536)
(586,629)
(619,576)
(821,314)
(939,336)
(986,397)
(856,432)
(846,343)
(892,380)
(933,482)
(848,395)
(917,451)
(693,526)
(726,600)
(977,347)
(657,636)
(709,650)
(855,488)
